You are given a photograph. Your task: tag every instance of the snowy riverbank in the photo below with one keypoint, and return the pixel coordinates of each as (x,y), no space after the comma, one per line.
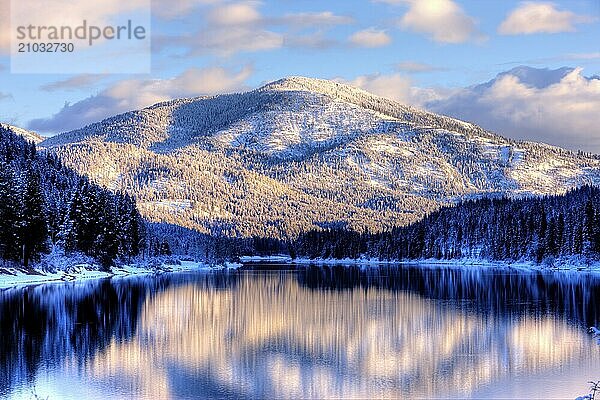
(566,264)
(11,277)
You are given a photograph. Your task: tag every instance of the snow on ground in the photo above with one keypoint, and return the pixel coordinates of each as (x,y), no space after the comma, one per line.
(277,258)
(342,261)
(569,264)
(11,277)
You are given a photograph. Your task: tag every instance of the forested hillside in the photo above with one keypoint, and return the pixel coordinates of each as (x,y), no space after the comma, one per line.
(302,154)
(44,204)
(539,229)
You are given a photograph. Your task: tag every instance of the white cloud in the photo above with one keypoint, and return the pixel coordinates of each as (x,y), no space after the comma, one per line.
(441,20)
(235,14)
(540,17)
(134,93)
(370,38)
(227,41)
(67,12)
(240,27)
(232,28)
(563,112)
(138,93)
(558,107)
(394,86)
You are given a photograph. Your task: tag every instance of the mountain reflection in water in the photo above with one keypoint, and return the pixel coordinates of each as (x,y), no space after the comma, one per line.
(316,332)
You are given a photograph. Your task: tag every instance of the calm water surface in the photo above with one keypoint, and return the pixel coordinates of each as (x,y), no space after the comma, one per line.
(315,332)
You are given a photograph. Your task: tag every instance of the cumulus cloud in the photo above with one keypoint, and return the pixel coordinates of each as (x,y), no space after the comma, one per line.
(235,27)
(55,12)
(441,20)
(563,111)
(540,17)
(231,28)
(227,41)
(558,107)
(394,86)
(235,14)
(137,93)
(226,27)
(370,37)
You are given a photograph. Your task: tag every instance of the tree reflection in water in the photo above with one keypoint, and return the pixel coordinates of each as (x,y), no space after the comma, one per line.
(316,332)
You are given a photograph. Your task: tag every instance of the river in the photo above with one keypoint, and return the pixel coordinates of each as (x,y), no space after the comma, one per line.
(265,331)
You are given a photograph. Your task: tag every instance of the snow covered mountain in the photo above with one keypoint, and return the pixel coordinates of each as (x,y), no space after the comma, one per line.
(301,153)
(538,78)
(28,135)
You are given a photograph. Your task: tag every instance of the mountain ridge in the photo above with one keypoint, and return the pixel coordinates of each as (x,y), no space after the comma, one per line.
(318,153)
(28,135)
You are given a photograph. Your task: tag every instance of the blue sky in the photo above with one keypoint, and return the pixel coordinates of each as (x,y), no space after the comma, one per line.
(422,52)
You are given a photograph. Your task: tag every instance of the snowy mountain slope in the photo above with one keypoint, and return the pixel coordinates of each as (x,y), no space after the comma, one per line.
(301,153)
(31,136)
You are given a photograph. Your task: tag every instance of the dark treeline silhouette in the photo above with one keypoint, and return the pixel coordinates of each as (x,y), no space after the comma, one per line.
(537,229)
(45,204)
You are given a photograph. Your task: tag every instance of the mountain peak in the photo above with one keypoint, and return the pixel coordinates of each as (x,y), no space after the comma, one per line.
(316,85)
(538,77)
(297,83)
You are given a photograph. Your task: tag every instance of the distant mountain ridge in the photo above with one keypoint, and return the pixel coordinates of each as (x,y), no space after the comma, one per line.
(302,153)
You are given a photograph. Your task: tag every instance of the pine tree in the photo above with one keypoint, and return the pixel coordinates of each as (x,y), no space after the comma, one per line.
(34,230)
(8,214)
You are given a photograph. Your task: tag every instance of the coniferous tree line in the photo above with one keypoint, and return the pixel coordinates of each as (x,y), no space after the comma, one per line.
(538,229)
(44,204)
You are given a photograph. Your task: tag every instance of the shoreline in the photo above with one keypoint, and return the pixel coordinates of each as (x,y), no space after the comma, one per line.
(14,278)
(561,265)
(17,278)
